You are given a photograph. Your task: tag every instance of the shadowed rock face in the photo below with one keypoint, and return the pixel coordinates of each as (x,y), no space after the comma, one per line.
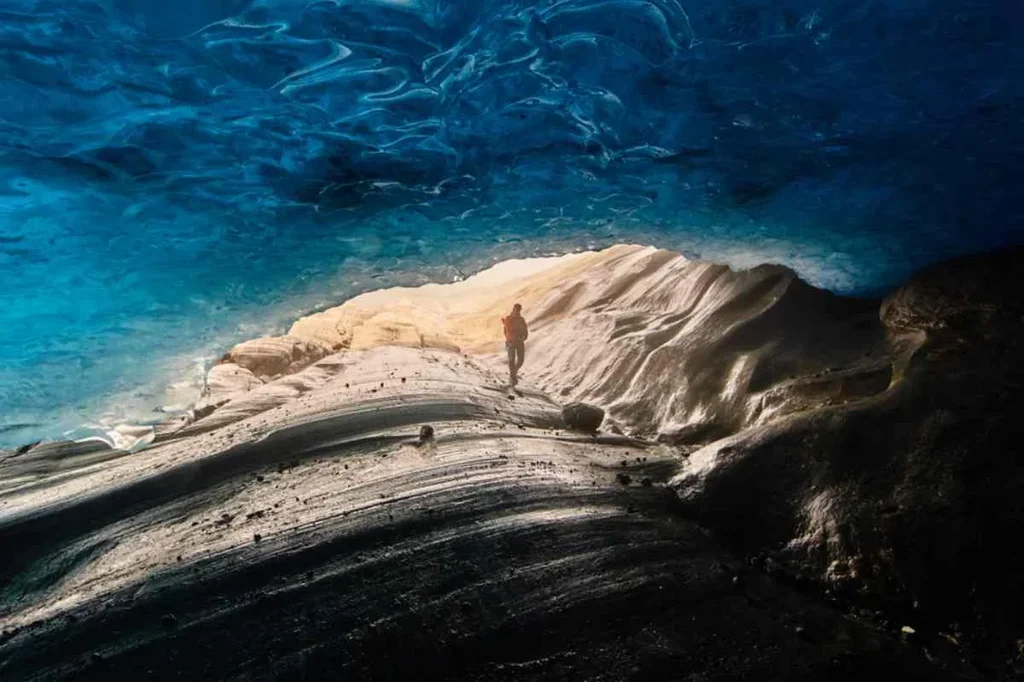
(302,529)
(909,500)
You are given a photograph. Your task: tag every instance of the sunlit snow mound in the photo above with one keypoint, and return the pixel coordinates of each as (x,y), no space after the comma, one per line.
(685,349)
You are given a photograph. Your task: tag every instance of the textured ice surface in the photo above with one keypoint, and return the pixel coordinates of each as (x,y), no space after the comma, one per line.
(176,176)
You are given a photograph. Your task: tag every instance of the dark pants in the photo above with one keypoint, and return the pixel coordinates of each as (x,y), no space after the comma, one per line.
(516,354)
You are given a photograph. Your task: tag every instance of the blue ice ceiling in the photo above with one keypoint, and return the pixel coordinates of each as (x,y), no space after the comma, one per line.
(179,175)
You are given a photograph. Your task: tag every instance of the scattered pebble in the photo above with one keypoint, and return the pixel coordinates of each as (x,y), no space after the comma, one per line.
(257,537)
(624,479)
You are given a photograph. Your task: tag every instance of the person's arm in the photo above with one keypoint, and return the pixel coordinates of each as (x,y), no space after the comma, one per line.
(526,330)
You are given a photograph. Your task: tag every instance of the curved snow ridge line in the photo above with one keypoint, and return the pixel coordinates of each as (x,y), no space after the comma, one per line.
(368,388)
(285,444)
(386,473)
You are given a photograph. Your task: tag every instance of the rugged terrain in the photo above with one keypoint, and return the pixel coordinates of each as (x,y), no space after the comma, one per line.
(788,485)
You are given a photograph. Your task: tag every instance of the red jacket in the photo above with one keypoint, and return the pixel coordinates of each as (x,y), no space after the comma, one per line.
(515,328)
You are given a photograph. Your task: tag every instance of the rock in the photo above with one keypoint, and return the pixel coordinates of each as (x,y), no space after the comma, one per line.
(256,537)
(276,355)
(624,479)
(582,417)
(886,491)
(426,433)
(169,621)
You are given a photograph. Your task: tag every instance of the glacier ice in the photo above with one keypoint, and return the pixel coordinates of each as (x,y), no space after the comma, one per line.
(180,176)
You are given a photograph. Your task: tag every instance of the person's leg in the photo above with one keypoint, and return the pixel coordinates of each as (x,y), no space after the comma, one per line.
(510,349)
(520,354)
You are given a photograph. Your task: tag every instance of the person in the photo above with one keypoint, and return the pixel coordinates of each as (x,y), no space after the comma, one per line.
(515,341)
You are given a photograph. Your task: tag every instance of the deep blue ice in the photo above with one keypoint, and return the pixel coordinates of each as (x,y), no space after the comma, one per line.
(179,175)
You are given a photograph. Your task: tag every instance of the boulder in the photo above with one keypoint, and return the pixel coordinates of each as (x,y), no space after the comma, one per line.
(582,417)
(276,355)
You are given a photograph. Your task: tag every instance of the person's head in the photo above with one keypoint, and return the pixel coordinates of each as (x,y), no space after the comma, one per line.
(516,309)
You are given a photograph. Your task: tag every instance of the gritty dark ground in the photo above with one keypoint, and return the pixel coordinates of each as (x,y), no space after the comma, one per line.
(496,567)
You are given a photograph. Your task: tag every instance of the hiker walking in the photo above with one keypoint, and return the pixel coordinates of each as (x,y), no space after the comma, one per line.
(515,341)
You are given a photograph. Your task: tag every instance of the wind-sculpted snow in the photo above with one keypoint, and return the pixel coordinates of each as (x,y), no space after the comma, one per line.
(180,175)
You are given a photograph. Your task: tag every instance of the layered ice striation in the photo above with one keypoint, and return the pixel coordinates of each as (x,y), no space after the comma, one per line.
(177,176)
